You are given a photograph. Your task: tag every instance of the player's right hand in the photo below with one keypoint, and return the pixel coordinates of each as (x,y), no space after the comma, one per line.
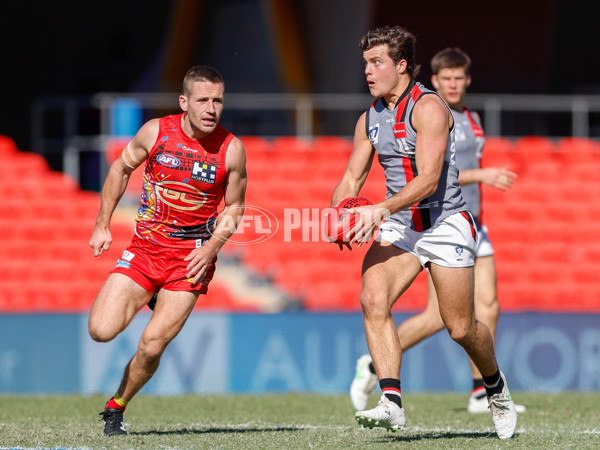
(100,240)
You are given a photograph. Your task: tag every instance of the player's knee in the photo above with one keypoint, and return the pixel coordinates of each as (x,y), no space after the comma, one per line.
(373,303)
(434,324)
(99,332)
(488,311)
(151,349)
(459,332)
(431,320)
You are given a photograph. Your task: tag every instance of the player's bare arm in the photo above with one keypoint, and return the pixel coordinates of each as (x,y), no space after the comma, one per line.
(357,169)
(358,166)
(133,156)
(497,177)
(234,199)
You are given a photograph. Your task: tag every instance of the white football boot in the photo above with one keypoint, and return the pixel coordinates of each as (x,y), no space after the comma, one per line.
(363,383)
(503,411)
(386,414)
(481,405)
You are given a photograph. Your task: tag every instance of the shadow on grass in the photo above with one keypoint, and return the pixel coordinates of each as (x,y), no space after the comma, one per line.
(438,435)
(387,439)
(214,430)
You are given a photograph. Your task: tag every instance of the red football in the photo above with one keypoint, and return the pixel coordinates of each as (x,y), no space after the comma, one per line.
(338,221)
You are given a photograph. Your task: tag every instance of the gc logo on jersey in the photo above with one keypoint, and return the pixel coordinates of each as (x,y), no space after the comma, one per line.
(374,133)
(206,173)
(180,196)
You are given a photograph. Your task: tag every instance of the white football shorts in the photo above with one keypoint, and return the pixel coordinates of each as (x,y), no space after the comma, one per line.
(484,246)
(449,243)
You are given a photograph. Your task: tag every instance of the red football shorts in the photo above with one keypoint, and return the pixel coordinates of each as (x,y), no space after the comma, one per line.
(154,267)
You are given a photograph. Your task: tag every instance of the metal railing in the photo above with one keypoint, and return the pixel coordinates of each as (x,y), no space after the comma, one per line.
(305,105)
(302,112)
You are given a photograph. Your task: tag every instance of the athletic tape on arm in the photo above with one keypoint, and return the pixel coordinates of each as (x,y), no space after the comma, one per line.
(129,158)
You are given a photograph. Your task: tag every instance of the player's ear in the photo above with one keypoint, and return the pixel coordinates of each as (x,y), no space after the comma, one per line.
(401,66)
(434,81)
(468,80)
(183,103)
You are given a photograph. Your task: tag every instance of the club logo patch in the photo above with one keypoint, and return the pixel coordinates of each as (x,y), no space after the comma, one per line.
(459,252)
(180,195)
(374,133)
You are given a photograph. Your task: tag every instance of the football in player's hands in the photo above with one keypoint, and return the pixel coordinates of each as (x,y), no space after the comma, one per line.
(339,222)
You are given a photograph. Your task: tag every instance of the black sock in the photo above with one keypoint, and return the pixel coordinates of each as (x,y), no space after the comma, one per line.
(493,384)
(478,390)
(372,368)
(390,387)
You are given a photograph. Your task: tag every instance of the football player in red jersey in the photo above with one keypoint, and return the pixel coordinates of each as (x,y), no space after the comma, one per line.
(191,164)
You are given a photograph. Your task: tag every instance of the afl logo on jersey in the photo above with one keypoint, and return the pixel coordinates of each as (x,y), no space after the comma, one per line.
(180,195)
(168,160)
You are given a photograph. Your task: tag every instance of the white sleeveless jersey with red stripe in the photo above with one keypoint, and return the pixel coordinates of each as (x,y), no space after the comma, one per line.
(184,183)
(469,139)
(392,135)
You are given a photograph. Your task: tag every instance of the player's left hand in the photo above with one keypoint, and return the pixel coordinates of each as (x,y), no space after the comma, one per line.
(370,218)
(200,259)
(498,177)
(100,240)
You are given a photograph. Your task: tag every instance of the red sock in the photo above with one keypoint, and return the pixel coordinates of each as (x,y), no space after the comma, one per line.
(478,392)
(114,405)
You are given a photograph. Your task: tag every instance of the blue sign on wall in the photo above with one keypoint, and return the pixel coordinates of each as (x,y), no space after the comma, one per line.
(39,353)
(303,352)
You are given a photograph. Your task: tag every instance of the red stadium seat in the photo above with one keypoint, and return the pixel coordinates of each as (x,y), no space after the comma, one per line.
(543,230)
(333,146)
(527,189)
(259,152)
(8,146)
(579,170)
(113,150)
(27,164)
(500,152)
(290,144)
(256,146)
(579,150)
(334,296)
(510,251)
(535,146)
(535,151)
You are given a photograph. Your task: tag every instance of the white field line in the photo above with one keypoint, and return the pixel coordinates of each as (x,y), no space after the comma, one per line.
(410,429)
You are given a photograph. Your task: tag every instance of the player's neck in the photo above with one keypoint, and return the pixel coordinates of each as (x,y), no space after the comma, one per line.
(397,93)
(189,130)
(458,107)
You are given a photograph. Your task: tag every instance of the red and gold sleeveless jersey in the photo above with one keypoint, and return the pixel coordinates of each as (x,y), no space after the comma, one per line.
(184,183)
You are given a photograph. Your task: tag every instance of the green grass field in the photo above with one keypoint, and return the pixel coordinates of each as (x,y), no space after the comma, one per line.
(556,421)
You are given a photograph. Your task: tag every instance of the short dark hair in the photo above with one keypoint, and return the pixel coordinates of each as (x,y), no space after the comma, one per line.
(401,45)
(201,73)
(450,58)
